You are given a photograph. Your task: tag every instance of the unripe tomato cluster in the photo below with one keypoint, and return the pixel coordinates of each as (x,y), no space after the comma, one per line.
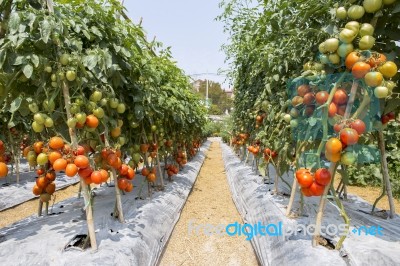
(241,139)
(313,184)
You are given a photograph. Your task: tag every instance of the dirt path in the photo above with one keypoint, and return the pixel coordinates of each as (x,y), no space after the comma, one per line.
(209,203)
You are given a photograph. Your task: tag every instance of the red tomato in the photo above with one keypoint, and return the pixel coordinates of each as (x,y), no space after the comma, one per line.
(332,111)
(322,97)
(349,136)
(322,176)
(306,191)
(360,69)
(316,189)
(340,97)
(305,179)
(359,126)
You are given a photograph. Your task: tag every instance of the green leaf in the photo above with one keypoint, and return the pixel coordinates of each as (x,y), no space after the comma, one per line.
(35,60)
(3,55)
(14,106)
(45,30)
(19,60)
(14,22)
(28,70)
(96,31)
(90,61)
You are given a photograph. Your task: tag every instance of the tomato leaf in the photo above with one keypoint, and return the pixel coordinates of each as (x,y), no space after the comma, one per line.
(35,60)
(28,70)
(139,112)
(14,22)
(14,106)
(45,30)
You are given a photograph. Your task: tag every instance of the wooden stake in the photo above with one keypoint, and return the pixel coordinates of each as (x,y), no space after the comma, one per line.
(385,173)
(86,194)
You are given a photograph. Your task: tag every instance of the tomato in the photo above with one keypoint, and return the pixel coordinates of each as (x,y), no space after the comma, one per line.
(388,69)
(64,59)
(381,92)
(373,78)
(71,170)
(341,110)
(99,112)
(391,115)
(306,191)
(376,59)
(48,69)
(33,107)
(344,49)
(341,13)
(321,97)
(294,123)
(316,189)
(331,45)
(359,126)
(80,118)
(96,96)
(37,127)
(355,12)
(305,179)
(113,102)
(349,136)
(385,119)
(351,59)
(333,146)
(366,29)
(42,159)
(334,58)
(71,75)
(353,25)
(287,118)
(347,35)
(309,98)
(92,121)
(81,161)
(371,6)
(360,69)
(121,108)
(39,118)
(337,127)
(309,110)
(388,2)
(332,111)
(322,48)
(56,143)
(340,97)
(323,59)
(48,122)
(348,158)
(322,176)
(297,100)
(60,164)
(49,105)
(71,122)
(366,42)
(3,169)
(303,90)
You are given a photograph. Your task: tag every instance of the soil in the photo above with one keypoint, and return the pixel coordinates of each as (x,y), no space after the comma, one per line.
(370,194)
(28,208)
(209,203)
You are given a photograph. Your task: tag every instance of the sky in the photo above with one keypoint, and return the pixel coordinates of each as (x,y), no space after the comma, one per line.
(189,27)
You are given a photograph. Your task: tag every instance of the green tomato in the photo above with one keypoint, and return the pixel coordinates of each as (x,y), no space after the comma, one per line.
(61,75)
(341,13)
(48,69)
(347,35)
(294,123)
(98,112)
(122,141)
(37,127)
(388,2)
(72,122)
(75,108)
(353,25)
(371,6)
(133,124)
(331,45)
(366,29)
(42,159)
(49,106)
(91,106)
(334,58)
(64,59)
(49,122)
(96,96)
(153,128)
(71,75)
(381,92)
(136,157)
(355,12)
(103,102)
(54,84)
(113,103)
(136,147)
(33,107)
(81,118)
(53,77)
(39,118)
(348,158)
(121,108)
(344,49)
(366,42)
(287,118)
(31,156)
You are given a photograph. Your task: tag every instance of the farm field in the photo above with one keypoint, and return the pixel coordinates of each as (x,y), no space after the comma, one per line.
(233,132)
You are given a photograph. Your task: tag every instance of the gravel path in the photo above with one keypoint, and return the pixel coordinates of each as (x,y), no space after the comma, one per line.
(209,203)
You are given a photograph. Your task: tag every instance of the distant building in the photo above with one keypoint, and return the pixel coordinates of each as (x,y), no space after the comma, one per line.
(229,93)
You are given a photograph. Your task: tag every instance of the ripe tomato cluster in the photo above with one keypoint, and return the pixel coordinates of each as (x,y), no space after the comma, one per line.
(3,159)
(313,184)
